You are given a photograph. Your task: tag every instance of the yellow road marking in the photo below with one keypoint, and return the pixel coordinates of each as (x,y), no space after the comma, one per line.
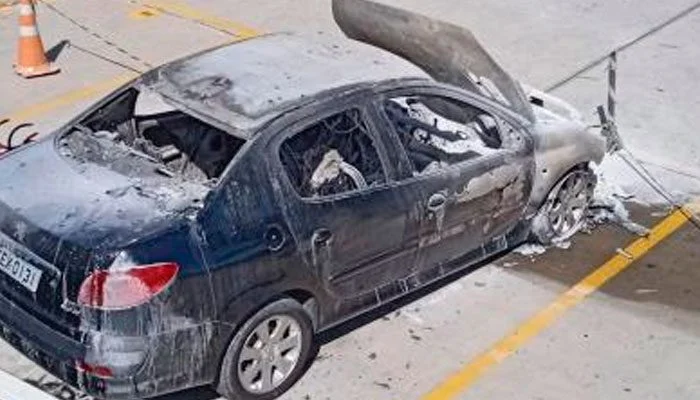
(463,379)
(69,98)
(144,13)
(241,31)
(181,9)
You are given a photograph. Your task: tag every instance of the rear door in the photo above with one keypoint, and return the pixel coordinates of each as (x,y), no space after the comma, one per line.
(473,168)
(355,230)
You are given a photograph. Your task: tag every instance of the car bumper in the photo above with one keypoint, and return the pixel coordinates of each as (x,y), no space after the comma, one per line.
(50,349)
(58,354)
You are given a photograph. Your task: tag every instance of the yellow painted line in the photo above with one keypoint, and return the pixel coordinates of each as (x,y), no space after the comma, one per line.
(471,372)
(66,99)
(144,13)
(178,8)
(181,9)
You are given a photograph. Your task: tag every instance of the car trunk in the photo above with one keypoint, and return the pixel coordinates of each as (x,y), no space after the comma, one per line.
(65,216)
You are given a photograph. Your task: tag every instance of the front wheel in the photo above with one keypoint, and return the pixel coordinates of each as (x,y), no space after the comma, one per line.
(564,212)
(268,354)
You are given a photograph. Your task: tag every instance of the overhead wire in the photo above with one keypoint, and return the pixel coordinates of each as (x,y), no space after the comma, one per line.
(626,155)
(101,38)
(618,49)
(638,167)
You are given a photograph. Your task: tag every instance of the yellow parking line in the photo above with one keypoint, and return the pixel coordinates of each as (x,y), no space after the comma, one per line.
(181,9)
(178,8)
(463,379)
(69,98)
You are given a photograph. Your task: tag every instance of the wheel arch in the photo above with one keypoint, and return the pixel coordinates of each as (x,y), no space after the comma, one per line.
(244,307)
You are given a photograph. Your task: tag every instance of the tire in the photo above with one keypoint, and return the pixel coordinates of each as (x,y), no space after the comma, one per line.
(564,211)
(243,370)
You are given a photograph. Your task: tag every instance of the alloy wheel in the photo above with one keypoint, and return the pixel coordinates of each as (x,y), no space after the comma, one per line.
(269,354)
(567,208)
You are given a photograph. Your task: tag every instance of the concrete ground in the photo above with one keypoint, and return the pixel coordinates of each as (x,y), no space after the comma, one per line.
(636,337)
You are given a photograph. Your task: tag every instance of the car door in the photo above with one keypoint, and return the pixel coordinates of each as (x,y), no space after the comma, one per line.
(355,230)
(474,170)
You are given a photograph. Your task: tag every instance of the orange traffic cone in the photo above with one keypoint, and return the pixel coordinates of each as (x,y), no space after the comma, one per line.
(31,58)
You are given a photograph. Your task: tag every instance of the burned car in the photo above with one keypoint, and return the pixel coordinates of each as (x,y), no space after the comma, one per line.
(201,224)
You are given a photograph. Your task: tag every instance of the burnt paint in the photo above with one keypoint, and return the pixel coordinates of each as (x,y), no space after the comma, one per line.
(250,243)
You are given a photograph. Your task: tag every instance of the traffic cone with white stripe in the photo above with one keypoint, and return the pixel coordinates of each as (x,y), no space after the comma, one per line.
(31,58)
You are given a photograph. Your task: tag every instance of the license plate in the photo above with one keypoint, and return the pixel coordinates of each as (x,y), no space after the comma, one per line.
(26,274)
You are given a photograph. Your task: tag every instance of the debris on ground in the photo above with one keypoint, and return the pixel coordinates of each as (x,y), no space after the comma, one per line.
(413,335)
(625,254)
(383,385)
(608,207)
(566,245)
(530,249)
(646,291)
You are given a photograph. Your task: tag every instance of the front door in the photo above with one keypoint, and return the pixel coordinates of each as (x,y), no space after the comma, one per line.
(356,231)
(474,185)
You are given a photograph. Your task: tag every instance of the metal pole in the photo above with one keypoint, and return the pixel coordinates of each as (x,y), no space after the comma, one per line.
(612,86)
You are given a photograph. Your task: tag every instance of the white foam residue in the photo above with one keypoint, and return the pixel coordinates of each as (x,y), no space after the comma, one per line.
(530,249)
(608,205)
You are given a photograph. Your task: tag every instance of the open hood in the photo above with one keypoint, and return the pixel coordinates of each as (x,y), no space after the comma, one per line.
(449,53)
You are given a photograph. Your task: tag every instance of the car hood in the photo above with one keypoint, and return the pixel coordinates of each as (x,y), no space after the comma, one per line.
(45,193)
(448,53)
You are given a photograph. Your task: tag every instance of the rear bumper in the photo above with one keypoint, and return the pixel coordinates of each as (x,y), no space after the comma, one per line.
(163,371)
(50,349)
(55,352)
(36,333)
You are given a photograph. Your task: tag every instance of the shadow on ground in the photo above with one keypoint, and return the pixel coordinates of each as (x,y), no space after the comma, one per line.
(668,275)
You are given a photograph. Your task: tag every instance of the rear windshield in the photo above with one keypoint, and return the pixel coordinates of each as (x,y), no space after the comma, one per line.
(138,134)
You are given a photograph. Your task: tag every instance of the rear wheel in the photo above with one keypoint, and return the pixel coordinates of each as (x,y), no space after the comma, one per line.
(564,211)
(268,354)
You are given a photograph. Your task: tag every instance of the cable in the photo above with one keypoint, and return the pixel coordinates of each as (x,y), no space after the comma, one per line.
(101,38)
(638,167)
(105,58)
(624,46)
(625,154)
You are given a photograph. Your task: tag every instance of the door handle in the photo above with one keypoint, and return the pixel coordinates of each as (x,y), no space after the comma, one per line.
(436,202)
(321,237)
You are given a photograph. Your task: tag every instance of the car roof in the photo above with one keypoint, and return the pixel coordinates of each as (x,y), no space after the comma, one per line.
(246,83)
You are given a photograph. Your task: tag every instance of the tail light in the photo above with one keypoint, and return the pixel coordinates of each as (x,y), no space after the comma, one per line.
(96,370)
(126,288)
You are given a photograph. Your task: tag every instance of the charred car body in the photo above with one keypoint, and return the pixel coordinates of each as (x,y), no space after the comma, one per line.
(200,224)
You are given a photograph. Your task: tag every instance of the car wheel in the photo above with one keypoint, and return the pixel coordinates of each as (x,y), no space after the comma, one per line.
(565,209)
(268,354)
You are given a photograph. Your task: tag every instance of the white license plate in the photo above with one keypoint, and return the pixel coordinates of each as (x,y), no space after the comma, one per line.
(21,271)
